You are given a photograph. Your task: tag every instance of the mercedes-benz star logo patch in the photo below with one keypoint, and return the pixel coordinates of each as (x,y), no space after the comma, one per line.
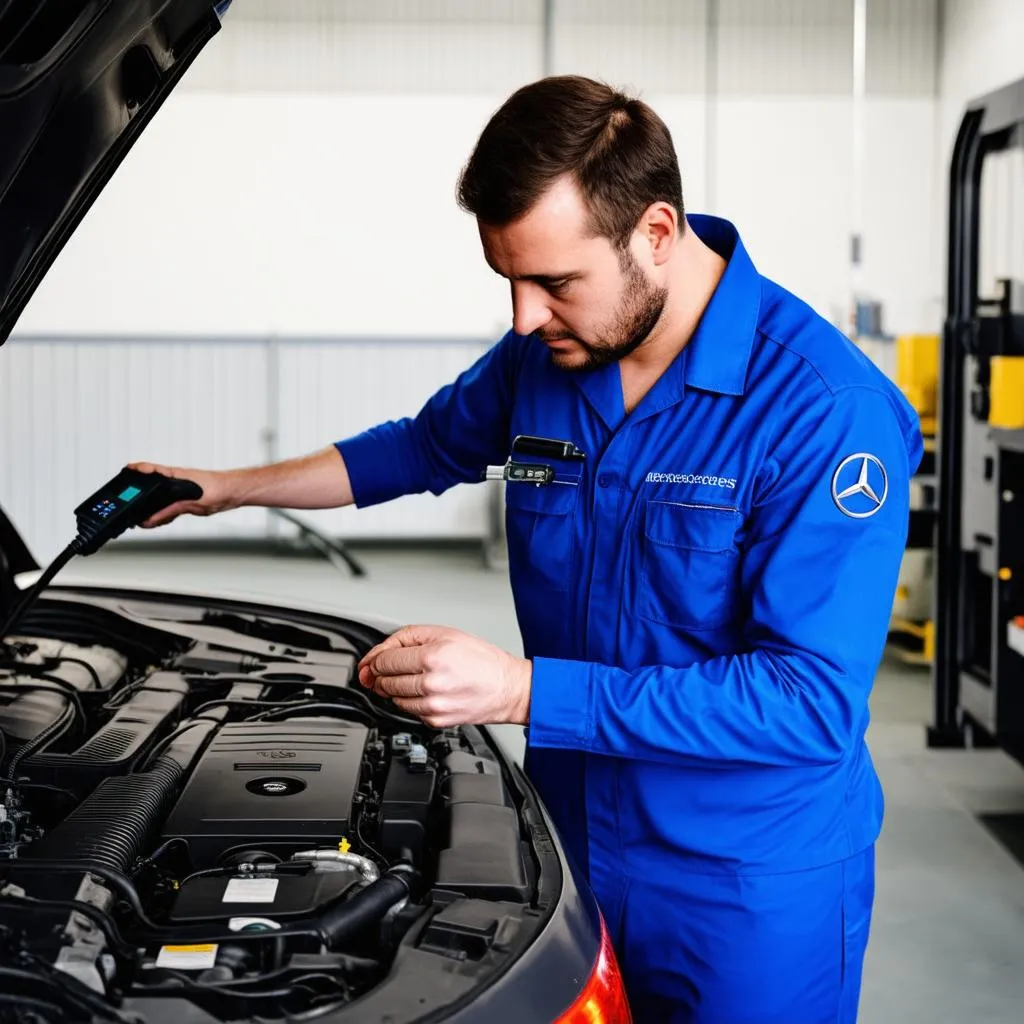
(860,485)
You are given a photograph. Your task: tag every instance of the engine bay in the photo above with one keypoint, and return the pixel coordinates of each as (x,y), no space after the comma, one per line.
(201,808)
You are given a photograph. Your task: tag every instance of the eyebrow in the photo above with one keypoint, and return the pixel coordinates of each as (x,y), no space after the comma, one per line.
(543,279)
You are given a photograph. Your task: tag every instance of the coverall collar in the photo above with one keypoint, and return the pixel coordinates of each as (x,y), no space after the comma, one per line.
(716,357)
(718,354)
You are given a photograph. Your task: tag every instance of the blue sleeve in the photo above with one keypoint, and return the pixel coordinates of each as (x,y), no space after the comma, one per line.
(817,588)
(461,430)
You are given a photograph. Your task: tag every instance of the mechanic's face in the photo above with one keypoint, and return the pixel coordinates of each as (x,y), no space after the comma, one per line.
(588,302)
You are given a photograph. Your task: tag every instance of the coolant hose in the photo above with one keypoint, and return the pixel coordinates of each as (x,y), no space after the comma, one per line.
(367,907)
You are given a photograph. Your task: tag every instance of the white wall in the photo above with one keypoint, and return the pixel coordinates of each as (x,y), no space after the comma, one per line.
(302,179)
(300,183)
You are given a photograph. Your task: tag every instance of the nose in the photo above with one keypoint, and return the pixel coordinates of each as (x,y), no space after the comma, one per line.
(530,309)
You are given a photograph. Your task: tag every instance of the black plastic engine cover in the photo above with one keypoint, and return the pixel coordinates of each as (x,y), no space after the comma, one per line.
(405,809)
(275,786)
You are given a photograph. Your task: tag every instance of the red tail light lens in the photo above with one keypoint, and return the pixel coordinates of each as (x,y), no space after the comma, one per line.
(603,999)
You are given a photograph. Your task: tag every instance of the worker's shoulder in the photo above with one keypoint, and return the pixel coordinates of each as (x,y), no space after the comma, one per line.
(802,342)
(799,351)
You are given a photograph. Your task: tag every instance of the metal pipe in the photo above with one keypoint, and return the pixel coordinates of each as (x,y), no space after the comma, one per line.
(547,40)
(335,860)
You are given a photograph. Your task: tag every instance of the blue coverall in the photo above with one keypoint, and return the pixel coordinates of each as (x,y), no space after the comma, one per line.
(705,601)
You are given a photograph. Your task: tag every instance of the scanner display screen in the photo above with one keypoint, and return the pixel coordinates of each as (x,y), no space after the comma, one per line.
(104,507)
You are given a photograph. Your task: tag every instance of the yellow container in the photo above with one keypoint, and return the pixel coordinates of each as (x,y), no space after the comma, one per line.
(917,375)
(1007,392)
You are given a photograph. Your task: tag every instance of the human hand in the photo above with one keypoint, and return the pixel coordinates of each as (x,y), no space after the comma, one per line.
(447,677)
(218,492)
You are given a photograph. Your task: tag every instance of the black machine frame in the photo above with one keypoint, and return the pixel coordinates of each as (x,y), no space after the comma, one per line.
(978,674)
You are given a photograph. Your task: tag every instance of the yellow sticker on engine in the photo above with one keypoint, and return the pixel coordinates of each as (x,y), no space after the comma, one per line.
(183,958)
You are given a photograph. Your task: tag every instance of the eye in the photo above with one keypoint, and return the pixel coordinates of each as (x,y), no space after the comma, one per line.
(557,288)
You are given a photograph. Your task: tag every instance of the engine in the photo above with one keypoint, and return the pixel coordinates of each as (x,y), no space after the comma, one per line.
(292,783)
(189,806)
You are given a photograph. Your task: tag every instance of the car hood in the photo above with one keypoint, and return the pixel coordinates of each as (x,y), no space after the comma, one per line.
(79,81)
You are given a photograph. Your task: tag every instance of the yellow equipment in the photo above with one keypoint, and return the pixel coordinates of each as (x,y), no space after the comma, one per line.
(912,627)
(917,376)
(1006,392)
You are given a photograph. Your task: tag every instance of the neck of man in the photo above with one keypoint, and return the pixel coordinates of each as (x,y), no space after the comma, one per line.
(693,275)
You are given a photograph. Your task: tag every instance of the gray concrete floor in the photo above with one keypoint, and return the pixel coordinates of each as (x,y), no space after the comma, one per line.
(948,935)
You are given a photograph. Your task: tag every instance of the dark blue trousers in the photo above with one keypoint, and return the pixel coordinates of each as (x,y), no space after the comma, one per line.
(745,949)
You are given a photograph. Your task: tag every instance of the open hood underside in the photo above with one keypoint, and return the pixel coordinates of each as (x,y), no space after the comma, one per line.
(79,80)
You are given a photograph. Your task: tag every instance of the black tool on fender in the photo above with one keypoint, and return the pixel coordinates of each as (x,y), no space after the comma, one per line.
(127,500)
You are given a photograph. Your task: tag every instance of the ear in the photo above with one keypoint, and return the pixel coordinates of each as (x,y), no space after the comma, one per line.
(659,226)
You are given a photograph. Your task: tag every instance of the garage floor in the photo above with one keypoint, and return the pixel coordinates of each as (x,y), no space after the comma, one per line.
(948,935)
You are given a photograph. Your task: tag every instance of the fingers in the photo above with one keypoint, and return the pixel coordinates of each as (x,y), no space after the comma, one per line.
(407,636)
(400,686)
(402,661)
(166,515)
(151,467)
(385,645)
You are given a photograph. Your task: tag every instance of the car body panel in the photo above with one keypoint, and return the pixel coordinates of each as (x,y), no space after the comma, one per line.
(79,82)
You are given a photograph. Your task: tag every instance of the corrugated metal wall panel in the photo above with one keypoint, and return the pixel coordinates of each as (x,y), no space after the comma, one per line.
(773,47)
(659,45)
(902,47)
(331,391)
(73,412)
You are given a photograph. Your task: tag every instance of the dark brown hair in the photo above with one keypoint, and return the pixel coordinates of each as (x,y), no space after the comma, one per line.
(618,149)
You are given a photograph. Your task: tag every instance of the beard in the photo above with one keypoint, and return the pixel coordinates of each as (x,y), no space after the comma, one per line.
(638,314)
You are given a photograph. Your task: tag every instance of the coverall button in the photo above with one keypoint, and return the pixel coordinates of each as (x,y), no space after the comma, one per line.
(605,480)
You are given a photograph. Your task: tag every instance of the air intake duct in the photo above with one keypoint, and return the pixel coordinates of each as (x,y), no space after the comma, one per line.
(117,824)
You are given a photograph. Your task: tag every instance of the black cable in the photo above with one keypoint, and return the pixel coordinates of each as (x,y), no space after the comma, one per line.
(151,860)
(374,708)
(121,882)
(127,889)
(345,697)
(81,661)
(241,701)
(320,707)
(61,686)
(51,732)
(40,585)
(191,985)
(19,784)
(31,669)
(285,867)
(363,840)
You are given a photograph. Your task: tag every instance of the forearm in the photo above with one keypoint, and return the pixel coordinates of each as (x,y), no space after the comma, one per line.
(317,480)
(753,708)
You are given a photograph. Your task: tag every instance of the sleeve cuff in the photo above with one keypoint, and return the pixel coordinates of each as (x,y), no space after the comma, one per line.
(375,468)
(561,705)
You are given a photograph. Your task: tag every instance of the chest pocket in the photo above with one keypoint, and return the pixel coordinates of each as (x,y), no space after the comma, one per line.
(690,564)
(540,523)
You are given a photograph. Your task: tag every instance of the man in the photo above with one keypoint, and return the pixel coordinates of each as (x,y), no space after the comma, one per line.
(703,600)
